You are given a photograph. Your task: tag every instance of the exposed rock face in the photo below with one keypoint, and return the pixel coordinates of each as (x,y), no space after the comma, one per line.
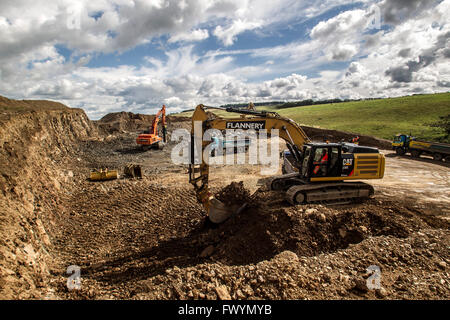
(36,138)
(121,122)
(124,122)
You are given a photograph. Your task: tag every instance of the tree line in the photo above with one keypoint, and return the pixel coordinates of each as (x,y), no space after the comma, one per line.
(292,104)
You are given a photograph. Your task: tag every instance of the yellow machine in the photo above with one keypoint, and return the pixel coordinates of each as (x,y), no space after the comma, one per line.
(103,174)
(403,144)
(319,170)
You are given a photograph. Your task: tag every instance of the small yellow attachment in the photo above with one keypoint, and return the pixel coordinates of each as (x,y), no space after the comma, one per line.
(103,174)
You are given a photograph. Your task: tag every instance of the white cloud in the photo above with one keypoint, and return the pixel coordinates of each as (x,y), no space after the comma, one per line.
(411,55)
(194,35)
(228,35)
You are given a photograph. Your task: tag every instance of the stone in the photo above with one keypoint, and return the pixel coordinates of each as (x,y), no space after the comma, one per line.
(322,217)
(240,294)
(207,251)
(360,285)
(222,293)
(381,293)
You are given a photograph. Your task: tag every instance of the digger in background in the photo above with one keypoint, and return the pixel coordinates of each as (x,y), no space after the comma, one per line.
(150,139)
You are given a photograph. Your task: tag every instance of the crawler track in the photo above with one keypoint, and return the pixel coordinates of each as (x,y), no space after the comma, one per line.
(330,193)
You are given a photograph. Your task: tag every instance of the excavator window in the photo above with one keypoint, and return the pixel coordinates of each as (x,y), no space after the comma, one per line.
(305,167)
(334,162)
(320,164)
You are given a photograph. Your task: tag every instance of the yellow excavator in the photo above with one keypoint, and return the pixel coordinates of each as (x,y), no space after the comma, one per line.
(319,171)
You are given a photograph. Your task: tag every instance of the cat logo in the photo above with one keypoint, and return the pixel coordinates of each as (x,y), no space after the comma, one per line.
(347,162)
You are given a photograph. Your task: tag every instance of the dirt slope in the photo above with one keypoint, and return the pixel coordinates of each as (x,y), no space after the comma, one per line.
(36,144)
(317,134)
(121,122)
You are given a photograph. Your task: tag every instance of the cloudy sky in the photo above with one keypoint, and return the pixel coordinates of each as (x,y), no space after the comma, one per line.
(133,55)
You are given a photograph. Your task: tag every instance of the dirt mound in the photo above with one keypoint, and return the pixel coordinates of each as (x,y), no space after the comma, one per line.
(124,122)
(319,134)
(269,226)
(233,194)
(10,106)
(120,122)
(269,250)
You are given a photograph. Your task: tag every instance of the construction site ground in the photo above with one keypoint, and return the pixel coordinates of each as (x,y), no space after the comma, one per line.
(149,238)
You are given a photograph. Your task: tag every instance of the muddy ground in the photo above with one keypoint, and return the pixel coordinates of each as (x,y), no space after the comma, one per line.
(148,238)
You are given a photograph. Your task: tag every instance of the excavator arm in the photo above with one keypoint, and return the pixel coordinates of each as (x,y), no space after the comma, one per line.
(288,130)
(160,115)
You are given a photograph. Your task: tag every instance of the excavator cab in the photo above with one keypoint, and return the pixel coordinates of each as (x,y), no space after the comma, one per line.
(321,160)
(336,160)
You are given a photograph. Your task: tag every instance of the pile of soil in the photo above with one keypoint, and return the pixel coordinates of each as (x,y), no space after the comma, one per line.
(269,250)
(320,134)
(122,122)
(234,194)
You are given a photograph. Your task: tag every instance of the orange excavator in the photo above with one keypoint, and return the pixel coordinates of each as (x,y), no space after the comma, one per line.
(151,139)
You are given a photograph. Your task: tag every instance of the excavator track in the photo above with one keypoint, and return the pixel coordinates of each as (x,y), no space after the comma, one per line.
(283,182)
(329,193)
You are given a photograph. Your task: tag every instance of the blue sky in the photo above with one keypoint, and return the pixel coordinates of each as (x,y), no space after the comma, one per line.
(134,55)
(279,34)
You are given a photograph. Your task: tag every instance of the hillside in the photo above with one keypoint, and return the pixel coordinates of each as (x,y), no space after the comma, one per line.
(382,118)
(21,106)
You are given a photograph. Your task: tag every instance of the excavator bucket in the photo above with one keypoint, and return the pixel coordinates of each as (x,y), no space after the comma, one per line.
(132,171)
(219,212)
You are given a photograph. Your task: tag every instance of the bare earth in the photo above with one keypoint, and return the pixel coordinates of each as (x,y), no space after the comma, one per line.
(148,239)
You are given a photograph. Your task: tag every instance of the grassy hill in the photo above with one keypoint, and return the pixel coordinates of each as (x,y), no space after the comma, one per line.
(382,118)
(17,106)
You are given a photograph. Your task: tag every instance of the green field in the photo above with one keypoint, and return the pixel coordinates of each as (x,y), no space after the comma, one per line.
(381,118)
